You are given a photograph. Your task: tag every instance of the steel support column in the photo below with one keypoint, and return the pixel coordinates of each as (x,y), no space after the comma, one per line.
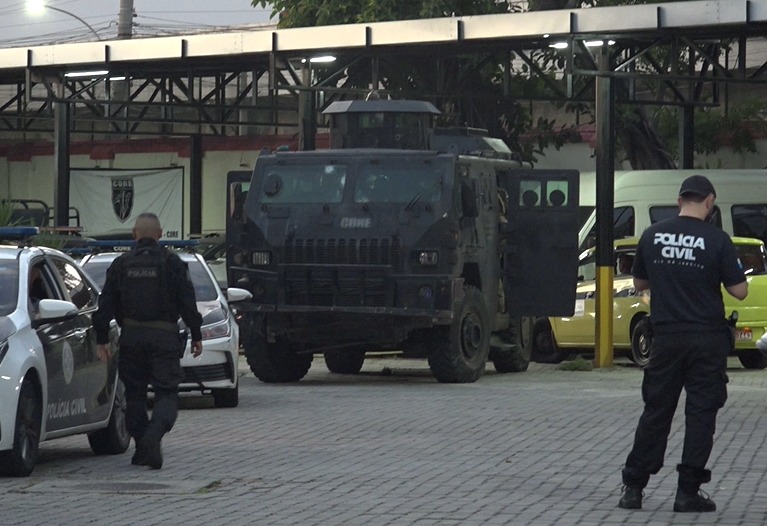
(61,121)
(605,153)
(687,136)
(195,185)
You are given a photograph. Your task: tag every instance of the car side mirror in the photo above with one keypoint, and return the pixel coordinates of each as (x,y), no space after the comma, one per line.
(50,311)
(234,294)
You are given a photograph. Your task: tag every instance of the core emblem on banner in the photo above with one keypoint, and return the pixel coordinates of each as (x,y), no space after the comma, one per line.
(122,198)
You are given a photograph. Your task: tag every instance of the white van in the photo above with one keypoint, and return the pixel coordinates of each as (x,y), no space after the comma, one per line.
(648,196)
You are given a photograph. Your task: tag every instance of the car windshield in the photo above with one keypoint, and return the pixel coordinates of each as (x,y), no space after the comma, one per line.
(9,286)
(752,258)
(97,270)
(204,289)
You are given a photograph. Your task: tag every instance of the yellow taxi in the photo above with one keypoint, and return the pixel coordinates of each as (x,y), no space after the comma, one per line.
(555,338)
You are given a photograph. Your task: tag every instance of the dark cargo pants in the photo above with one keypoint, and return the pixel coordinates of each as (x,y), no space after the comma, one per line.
(696,362)
(150,356)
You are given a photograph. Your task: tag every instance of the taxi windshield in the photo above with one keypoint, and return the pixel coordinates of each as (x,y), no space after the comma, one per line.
(9,286)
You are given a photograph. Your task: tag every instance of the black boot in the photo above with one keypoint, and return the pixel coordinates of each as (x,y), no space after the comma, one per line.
(139,457)
(153,452)
(631,498)
(696,502)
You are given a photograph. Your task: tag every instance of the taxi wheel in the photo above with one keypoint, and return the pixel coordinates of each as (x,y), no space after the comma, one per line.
(21,460)
(545,348)
(226,397)
(641,342)
(458,353)
(752,359)
(113,439)
(344,362)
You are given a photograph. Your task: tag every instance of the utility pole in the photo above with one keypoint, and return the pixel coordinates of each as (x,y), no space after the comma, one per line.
(125,20)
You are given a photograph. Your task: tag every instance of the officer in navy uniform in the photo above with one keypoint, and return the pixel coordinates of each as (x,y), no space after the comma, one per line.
(684,261)
(146,290)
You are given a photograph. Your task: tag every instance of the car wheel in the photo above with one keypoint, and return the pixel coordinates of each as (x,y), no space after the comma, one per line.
(752,359)
(458,353)
(545,348)
(226,397)
(113,439)
(641,342)
(21,459)
(344,362)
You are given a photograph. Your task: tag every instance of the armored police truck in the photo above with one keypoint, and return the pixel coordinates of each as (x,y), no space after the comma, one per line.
(384,243)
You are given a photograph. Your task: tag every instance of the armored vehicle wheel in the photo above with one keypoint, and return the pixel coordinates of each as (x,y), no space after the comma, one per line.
(458,353)
(752,359)
(344,362)
(545,348)
(512,349)
(275,362)
(641,342)
(21,460)
(113,439)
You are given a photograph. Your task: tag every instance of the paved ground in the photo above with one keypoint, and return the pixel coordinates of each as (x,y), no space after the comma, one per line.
(392,446)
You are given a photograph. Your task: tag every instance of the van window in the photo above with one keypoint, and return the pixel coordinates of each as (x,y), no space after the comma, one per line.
(623,226)
(750,221)
(661,213)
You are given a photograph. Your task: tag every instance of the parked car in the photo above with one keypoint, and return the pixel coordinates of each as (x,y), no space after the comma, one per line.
(52,383)
(555,338)
(215,371)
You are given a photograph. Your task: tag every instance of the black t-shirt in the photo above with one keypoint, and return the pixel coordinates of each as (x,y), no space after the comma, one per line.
(686,260)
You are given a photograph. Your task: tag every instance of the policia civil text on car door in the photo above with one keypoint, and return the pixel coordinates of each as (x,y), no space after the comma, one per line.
(146,290)
(684,261)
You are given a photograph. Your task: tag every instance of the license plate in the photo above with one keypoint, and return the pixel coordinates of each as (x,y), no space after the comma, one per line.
(743,335)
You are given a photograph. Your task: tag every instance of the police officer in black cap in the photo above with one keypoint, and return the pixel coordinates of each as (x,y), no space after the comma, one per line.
(146,290)
(684,261)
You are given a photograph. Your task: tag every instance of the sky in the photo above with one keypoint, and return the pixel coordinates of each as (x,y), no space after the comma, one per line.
(19,27)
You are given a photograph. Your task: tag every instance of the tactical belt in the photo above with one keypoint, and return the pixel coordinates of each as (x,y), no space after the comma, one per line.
(151,324)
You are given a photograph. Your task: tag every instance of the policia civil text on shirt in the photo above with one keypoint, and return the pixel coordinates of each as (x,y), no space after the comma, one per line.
(146,290)
(684,261)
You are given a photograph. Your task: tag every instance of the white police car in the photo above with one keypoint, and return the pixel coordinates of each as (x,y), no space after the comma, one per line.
(215,370)
(52,384)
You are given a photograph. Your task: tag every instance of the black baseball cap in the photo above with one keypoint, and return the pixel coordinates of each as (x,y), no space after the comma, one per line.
(698,185)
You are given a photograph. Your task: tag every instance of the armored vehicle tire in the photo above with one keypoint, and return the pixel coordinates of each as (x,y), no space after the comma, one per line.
(515,351)
(344,362)
(113,439)
(752,359)
(641,342)
(21,460)
(274,363)
(545,348)
(458,353)
(226,397)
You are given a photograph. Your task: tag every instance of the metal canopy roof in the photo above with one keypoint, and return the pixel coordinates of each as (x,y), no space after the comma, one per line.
(235,82)
(716,17)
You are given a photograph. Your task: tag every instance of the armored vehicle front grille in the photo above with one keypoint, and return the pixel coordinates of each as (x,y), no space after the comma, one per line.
(384,251)
(329,286)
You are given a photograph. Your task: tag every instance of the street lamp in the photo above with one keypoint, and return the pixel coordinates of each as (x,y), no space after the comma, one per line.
(39,6)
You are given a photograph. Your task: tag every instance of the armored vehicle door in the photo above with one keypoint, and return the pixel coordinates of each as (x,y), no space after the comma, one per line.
(540,241)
